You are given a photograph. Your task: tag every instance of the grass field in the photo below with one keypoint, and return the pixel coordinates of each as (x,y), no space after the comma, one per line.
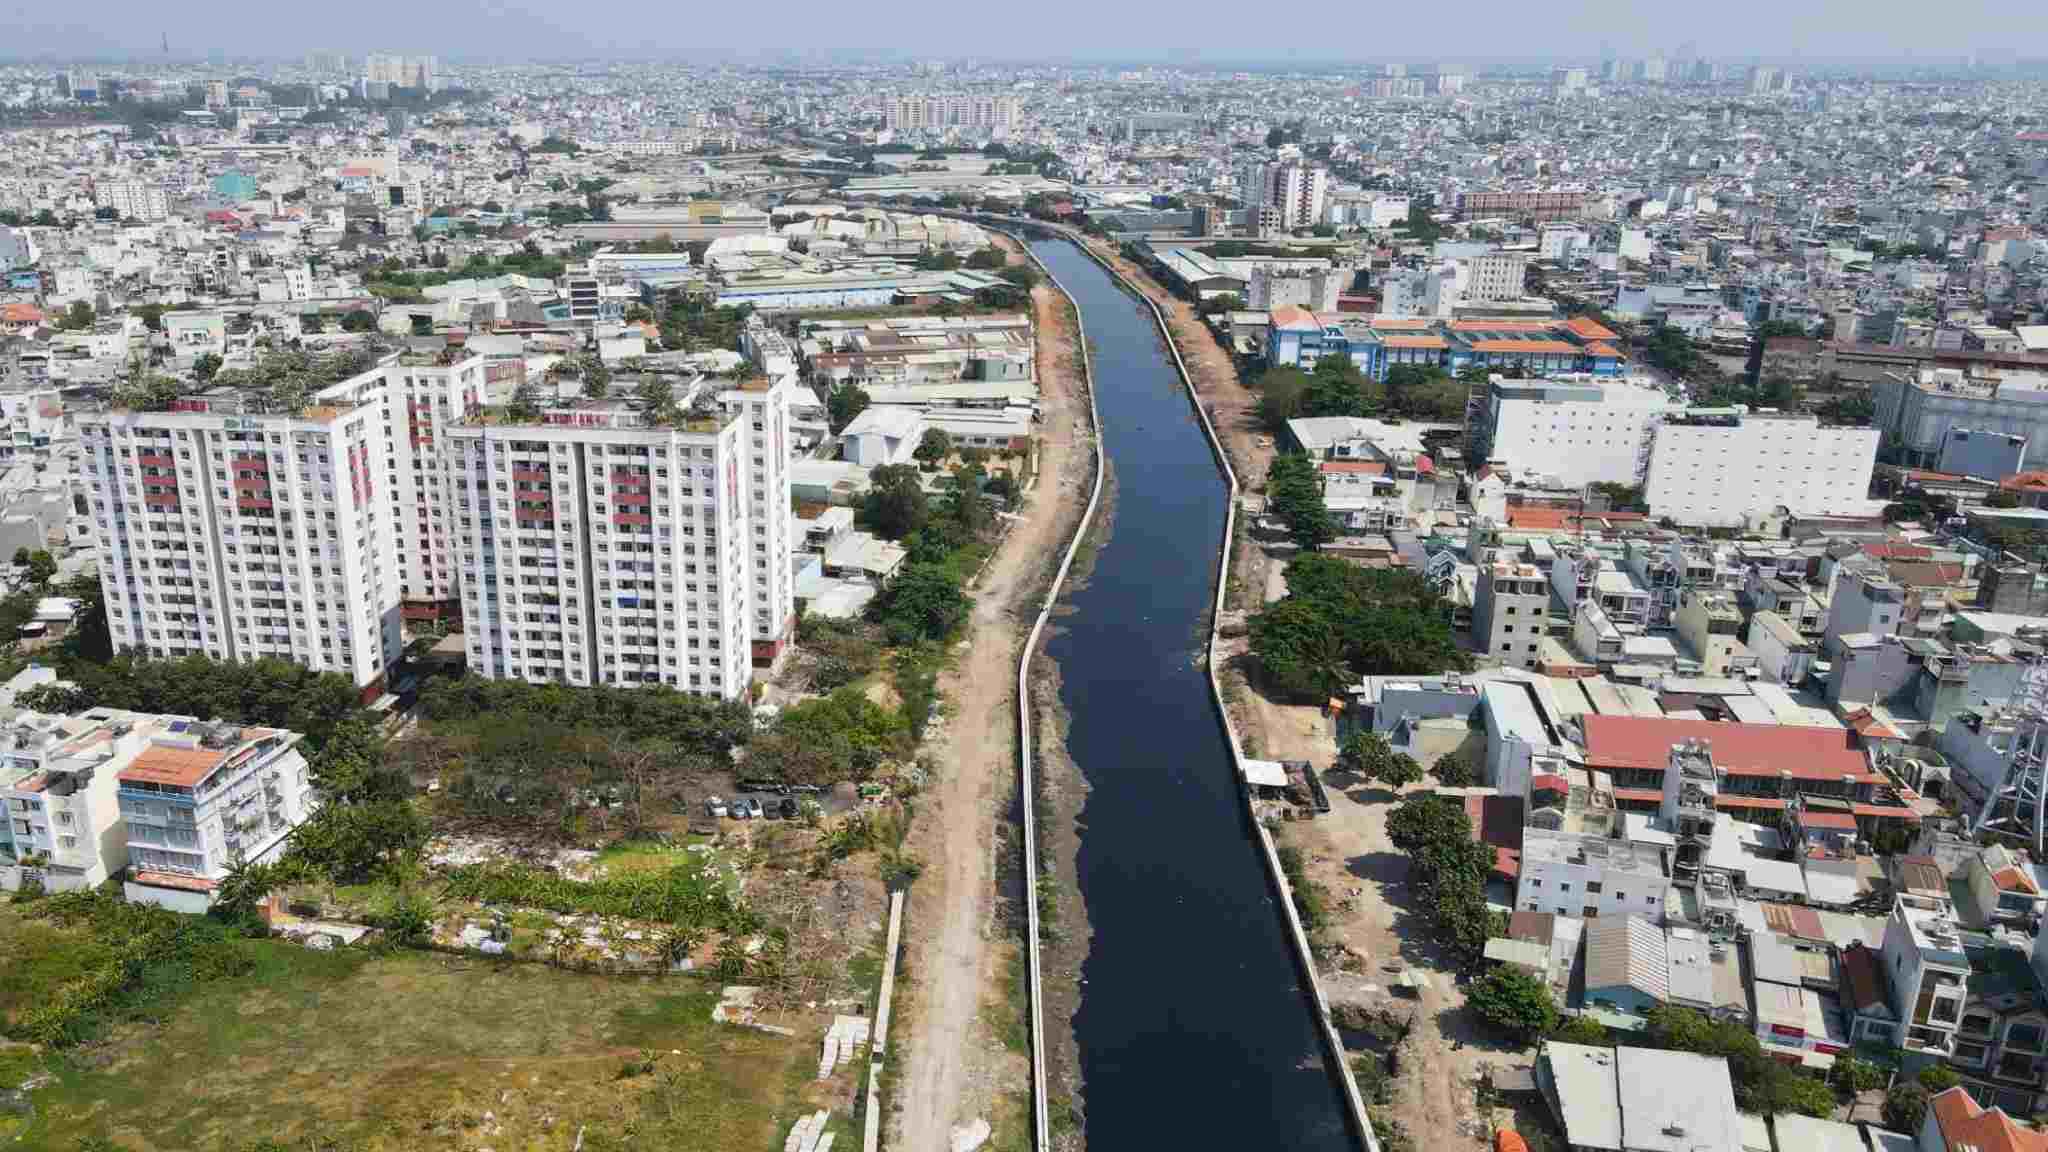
(408,1050)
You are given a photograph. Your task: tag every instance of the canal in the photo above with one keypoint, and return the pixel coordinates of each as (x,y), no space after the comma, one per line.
(1193,1029)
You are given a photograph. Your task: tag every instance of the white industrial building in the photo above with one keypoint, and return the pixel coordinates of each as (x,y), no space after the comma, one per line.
(1717,467)
(1571,431)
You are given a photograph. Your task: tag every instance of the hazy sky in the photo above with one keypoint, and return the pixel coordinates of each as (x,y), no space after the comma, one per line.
(1204,31)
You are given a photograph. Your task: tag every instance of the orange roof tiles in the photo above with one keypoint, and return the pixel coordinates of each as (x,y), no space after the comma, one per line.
(1401,323)
(1812,818)
(1738,749)
(1290,316)
(1355,467)
(22,314)
(2013,880)
(166,764)
(175,880)
(1502,326)
(1602,348)
(2026,482)
(1529,346)
(1587,328)
(1965,1124)
(1415,342)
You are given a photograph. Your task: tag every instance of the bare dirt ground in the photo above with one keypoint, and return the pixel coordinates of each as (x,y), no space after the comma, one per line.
(955,1064)
(1347,851)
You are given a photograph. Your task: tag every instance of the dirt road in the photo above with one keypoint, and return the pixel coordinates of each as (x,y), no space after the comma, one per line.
(953,1066)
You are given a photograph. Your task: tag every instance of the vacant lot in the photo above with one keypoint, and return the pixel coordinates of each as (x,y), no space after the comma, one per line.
(417,1050)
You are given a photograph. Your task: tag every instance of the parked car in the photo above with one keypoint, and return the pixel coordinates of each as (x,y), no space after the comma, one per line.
(739,808)
(788,807)
(753,806)
(714,807)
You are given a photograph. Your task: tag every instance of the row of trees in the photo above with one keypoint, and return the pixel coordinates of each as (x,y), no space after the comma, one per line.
(1337,388)
(1447,870)
(1339,621)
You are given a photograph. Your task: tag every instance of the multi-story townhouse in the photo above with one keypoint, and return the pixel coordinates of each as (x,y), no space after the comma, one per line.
(602,544)
(202,797)
(229,527)
(57,783)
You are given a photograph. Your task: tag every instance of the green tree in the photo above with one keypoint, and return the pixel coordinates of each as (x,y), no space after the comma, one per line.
(923,602)
(896,505)
(358,320)
(597,378)
(1368,755)
(1454,770)
(987,259)
(1300,650)
(846,402)
(1282,396)
(935,446)
(1294,493)
(1938,1078)
(658,393)
(1515,1002)
(78,317)
(41,567)
(1853,1076)
(1583,1030)
(1905,1106)
(205,367)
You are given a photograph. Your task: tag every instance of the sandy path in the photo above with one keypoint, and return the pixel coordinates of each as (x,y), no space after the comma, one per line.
(948,1073)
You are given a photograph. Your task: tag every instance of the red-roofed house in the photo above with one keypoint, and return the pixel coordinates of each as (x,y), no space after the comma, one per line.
(1760,766)
(1955,1122)
(18,318)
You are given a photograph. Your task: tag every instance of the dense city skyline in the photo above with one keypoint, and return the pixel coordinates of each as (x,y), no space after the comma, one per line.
(1994,30)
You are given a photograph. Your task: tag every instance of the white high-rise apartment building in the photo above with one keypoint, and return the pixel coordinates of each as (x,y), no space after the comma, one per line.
(918,113)
(225,530)
(132,199)
(762,405)
(599,546)
(1300,193)
(1711,468)
(425,397)
(1497,276)
(401,71)
(17,249)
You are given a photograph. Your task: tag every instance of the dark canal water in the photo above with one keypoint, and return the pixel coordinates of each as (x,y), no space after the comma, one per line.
(1193,1029)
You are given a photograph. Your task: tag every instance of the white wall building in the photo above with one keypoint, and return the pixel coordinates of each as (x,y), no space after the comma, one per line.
(133,199)
(424,397)
(1574,875)
(1572,430)
(224,530)
(1712,468)
(17,249)
(1496,276)
(201,797)
(598,547)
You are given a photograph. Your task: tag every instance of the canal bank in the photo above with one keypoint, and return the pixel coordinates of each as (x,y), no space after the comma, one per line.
(1196,1022)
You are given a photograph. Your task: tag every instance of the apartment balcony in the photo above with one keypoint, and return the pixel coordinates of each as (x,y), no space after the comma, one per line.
(1931,1041)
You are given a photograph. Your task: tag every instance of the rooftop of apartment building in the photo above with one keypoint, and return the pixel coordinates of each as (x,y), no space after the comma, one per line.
(1541,845)
(695,413)
(183,752)
(1935,932)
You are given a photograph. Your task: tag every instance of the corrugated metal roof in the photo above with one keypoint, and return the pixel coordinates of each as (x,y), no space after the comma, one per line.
(1627,951)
